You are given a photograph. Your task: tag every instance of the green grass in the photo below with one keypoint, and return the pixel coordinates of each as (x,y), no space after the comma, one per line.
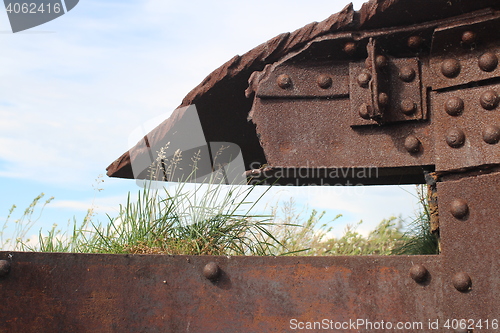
(214,219)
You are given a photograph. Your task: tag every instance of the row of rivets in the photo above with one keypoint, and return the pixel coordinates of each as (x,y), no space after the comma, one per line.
(455,138)
(461,281)
(413,42)
(454,106)
(487,62)
(407,106)
(284,81)
(419,273)
(460,210)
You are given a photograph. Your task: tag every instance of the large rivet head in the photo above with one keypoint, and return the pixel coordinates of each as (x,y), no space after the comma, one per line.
(462,282)
(459,208)
(455,138)
(363,79)
(408,107)
(383,99)
(350,48)
(324,81)
(211,271)
(469,37)
(419,273)
(415,42)
(450,68)
(364,111)
(488,62)
(284,81)
(489,100)
(491,134)
(407,74)
(4,268)
(454,106)
(412,144)
(380,61)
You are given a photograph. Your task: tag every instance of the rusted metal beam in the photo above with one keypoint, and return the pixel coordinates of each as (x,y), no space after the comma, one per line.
(152,293)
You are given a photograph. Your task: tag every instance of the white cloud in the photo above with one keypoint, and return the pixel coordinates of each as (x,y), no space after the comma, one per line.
(70,99)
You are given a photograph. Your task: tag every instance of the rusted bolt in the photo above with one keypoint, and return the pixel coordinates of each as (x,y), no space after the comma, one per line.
(469,37)
(284,81)
(455,138)
(489,100)
(419,273)
(415,42)
(408,107)
(211,271)
(383,99)
(350,47)
(454,106)
(324,81)
(491,134)
(363,79)
(4,267)
(488,62)
(412,144)
(450,68)
(462,282)
(407,74)
(380,61)
(364,111)
(459,208)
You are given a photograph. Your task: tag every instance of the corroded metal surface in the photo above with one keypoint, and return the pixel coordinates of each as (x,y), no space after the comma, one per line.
(388,95)
(403,32)
(149,293)
(469,214)
(427,100)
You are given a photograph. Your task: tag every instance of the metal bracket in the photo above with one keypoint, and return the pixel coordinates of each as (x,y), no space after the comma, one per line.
(385,90)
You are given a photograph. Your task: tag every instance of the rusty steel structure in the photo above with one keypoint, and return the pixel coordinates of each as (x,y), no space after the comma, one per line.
(408,87)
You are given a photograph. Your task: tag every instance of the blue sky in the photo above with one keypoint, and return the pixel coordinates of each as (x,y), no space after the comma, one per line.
(74,90)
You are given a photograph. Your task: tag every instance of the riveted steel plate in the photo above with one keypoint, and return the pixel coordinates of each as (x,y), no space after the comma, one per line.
(469,211)
(154,293)
(465,53)
(323,137)
(475,122)
(323,79)
(401,92)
